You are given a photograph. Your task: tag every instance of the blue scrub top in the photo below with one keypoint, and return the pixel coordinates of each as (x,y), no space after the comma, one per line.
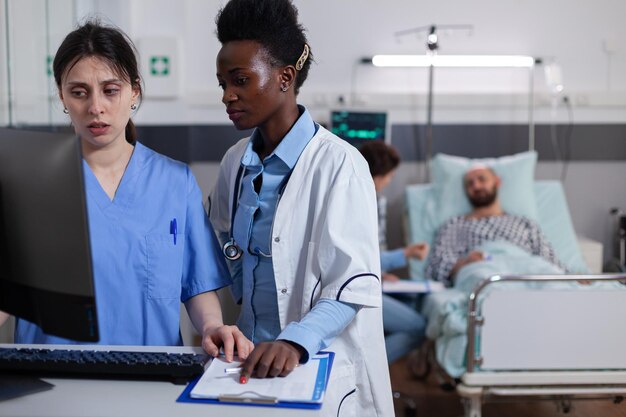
(142,271)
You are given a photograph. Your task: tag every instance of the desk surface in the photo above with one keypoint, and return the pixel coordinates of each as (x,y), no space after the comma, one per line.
(100,398)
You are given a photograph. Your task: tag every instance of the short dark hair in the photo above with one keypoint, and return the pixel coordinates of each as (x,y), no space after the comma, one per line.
(93,39)
(485,167)
(381,158)
(272,23)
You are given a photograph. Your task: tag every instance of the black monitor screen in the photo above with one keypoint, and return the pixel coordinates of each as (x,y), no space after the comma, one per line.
(357,127)
(45,256)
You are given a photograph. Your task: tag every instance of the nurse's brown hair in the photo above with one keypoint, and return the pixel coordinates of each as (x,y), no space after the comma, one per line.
(108,43)
(381,158)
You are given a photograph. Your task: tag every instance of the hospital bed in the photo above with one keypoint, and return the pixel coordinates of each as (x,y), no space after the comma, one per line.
(542,336)
(550,341)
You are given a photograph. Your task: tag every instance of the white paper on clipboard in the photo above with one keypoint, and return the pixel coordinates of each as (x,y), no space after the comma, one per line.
(305,384)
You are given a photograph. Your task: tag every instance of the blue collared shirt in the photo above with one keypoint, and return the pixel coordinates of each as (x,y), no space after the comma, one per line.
(261,186)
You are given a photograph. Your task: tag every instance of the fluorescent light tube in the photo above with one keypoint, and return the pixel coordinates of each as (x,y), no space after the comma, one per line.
(453,61)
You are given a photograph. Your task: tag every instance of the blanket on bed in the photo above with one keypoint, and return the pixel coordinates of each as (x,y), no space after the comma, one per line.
(446,311)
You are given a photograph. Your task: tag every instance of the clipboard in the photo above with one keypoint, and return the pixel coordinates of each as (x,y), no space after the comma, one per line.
(221,388)
(408,286)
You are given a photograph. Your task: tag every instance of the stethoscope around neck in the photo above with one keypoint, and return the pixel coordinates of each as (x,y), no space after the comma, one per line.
(231,250)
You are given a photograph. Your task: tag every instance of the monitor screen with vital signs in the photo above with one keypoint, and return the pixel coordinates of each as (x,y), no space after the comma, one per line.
(357,127)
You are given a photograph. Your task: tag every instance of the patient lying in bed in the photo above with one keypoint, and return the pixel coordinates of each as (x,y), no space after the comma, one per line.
(460,241)
(472,247)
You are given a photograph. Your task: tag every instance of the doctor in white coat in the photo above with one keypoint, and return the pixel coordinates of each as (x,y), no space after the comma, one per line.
(295,209)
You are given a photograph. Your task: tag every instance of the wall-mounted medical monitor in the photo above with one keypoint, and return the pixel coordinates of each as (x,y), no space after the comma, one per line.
(357,126)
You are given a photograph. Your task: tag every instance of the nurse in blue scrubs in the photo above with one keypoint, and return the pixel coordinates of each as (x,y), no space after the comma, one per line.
(152,243)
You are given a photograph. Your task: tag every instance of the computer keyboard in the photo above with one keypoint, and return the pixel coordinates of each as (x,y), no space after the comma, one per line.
(98,364)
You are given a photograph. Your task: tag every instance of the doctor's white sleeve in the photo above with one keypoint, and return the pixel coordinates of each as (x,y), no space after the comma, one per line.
(218,209)
(348,249)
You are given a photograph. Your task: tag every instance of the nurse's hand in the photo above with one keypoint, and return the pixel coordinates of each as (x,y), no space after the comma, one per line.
(271,359)
(3,317)
(228,338)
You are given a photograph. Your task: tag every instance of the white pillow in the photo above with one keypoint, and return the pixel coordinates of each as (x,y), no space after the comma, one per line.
(516,193)
(431,206)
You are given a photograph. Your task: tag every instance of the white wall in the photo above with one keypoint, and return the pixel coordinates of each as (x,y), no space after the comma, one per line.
(587,38)
(35,29)
(577,35)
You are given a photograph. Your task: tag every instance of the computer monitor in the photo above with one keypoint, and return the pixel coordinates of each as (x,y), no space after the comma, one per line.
(357,127)
(46,274)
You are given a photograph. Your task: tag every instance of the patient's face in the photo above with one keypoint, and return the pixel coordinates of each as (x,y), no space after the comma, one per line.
(481,187)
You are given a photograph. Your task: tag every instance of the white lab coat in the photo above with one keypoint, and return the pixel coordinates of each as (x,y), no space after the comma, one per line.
(325,245)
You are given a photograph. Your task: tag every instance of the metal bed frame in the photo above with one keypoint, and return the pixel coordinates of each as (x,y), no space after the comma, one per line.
(562,385)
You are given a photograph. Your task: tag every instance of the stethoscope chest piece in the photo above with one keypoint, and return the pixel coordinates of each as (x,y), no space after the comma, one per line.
(231,250)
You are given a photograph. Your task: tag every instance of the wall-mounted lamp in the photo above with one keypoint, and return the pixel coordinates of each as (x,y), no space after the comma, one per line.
(433,59)
(458,61)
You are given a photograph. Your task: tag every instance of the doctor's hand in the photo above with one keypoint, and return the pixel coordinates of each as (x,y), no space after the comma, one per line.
(271,359)
(229,338)
(417,250)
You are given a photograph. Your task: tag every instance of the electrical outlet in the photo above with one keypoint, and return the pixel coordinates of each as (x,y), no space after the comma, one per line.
(610,45)
(581,100)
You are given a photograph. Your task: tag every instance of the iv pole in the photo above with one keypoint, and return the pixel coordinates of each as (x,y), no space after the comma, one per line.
(432,45)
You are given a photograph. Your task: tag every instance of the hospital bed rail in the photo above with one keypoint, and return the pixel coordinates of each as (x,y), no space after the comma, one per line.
(474,319)
(553,382)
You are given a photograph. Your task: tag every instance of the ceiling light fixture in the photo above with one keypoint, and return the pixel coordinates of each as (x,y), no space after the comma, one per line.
(468,61)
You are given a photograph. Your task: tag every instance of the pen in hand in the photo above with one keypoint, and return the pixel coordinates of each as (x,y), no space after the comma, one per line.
(242,379)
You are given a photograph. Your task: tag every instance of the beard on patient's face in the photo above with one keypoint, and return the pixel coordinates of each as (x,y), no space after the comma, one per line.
(483,198)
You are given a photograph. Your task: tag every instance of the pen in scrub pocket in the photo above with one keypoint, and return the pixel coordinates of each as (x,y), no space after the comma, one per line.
(173,229)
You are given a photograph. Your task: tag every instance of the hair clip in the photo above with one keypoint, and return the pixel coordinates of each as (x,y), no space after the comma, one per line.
(303,57)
